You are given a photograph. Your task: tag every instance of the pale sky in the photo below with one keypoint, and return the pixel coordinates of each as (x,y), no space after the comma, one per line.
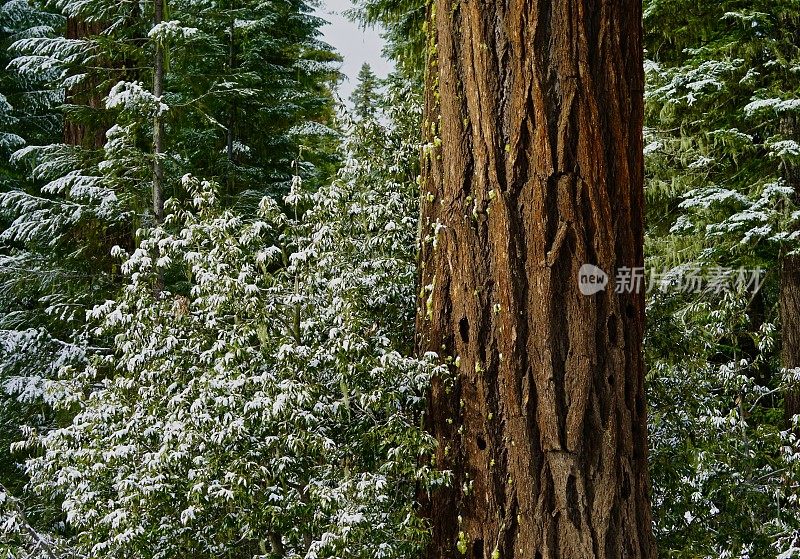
(356,45)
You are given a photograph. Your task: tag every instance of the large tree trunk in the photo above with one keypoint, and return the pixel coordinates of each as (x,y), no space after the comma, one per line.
(790,327)
(534,167)
(790,291)
(87,94)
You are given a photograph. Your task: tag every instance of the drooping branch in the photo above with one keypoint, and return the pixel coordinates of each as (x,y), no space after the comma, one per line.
(37,539)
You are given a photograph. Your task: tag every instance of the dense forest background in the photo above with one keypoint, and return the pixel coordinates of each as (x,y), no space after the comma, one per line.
(208,281)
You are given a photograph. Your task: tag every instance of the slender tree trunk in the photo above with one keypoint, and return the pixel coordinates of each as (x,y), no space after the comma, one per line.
(231,110)
(158,122)
(534,167)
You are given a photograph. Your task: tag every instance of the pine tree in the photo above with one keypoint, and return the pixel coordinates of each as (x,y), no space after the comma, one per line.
(25,108)
(25,113)
(248,87)
(40,287)
(214,72)
(91,195)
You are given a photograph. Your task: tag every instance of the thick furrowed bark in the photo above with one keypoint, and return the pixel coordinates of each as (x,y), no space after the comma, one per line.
(87,94)
(790,327)
(538,106)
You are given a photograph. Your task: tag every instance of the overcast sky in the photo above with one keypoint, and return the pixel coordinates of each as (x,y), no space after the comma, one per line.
(356,45)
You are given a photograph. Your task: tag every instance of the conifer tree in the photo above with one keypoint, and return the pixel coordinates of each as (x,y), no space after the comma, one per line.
(84,185)
(26,112)
(404,24)
(90,194)
(721,108)
(247,87)
(364,97)
(265,405)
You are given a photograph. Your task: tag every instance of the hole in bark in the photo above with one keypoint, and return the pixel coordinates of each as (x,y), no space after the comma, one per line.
(477,549)
(611,381)
(572,502)
(612,329)
(481,443)
(463,329)
(538,555)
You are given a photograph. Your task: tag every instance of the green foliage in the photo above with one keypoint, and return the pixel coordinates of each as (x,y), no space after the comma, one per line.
(404,25)
(721,118)
(76,120)
(724,463)
(263,404)
(720,132)
(248,84)
(253,414)
(242,385)
(26,111)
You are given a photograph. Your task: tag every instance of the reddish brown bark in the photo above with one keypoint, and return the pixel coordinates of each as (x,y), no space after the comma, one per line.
(790,327)
(789,306)
(88,94)
(534,116)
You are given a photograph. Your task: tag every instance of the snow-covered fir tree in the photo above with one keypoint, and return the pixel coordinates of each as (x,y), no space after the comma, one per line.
(82,185)
(364,96)
(721,105)
(26,113)
(248,84)
(265,404)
